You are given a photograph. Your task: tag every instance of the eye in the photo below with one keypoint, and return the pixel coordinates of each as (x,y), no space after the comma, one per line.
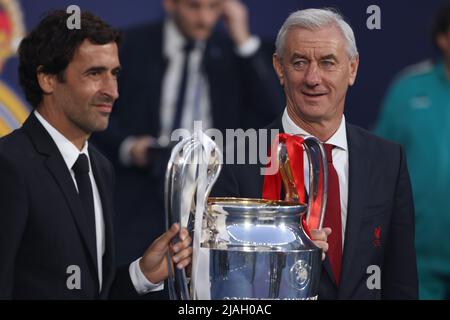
(327,63)
(94,73)
(300,63)
(116,74)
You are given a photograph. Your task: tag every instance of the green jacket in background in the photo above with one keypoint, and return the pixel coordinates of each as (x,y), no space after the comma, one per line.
(416,114)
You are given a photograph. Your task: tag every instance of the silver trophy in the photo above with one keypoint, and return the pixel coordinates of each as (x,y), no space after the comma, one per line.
(244,248)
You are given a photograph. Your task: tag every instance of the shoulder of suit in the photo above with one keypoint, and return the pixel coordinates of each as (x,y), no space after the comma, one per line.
(15,143)
(17,152)
(369,139)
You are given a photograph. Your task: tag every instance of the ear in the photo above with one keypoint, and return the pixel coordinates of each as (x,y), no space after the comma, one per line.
(354,63)
(46,81)
(276,61)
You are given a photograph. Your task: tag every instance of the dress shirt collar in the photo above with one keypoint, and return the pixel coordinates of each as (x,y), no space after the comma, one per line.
(338,139)
(68,150)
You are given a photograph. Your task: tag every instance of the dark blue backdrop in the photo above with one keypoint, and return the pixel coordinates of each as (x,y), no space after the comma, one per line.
(402,40)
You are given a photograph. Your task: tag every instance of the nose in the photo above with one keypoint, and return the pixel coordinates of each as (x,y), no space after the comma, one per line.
(110,87)
(206,16)
(312,75)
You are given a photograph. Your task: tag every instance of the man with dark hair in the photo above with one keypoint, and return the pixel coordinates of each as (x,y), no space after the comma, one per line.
(56,191)
(416,114)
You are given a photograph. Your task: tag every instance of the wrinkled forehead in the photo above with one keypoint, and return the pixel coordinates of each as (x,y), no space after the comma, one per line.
(324,39)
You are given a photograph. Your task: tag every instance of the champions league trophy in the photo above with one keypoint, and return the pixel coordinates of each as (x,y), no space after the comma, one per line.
(244,248)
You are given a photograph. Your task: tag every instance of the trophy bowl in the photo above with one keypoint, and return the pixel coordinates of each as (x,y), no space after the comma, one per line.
(259,250)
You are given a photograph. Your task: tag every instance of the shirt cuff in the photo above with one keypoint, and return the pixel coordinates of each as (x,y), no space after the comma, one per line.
(249,47)
(140,282)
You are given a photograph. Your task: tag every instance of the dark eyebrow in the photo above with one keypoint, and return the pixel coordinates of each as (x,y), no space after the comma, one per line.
(95,69)
(102,69)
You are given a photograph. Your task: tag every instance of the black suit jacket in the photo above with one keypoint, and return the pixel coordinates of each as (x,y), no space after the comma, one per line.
(244,92)
(42,229)
(379,198)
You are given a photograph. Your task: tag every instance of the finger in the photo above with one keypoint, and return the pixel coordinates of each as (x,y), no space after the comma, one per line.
(184,263)
(182,255)
(182,245)
(184,233)
(327,230)
(322,244)
(163,241)
(317,234)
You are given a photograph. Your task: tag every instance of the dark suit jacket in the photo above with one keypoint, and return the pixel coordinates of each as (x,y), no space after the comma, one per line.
(379,197)
(42,230)
(244,93)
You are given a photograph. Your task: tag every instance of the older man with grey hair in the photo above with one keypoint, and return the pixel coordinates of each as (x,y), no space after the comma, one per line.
(369,210)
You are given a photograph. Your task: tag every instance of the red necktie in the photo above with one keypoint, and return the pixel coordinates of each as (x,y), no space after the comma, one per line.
(333,217)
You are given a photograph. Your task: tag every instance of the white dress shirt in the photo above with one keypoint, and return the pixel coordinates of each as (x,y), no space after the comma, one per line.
(197,101)
(340,160)
(70,155)
(197,106)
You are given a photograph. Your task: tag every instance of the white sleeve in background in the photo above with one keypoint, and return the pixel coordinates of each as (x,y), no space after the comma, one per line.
(124,150)
(249,47)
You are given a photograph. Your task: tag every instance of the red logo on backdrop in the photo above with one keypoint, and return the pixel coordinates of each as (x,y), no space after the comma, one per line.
(377,237)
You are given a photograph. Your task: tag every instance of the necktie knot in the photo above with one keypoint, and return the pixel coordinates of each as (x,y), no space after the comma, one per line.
(328,152)
(81,166)
(188,46)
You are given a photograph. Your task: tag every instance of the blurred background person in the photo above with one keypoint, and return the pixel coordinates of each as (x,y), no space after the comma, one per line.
(176,71)
(416,113)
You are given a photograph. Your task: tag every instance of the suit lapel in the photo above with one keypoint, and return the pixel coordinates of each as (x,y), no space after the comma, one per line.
(44,144)
(357,194)
(106,199)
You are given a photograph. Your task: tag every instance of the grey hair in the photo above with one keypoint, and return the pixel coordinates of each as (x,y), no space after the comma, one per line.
(315,19)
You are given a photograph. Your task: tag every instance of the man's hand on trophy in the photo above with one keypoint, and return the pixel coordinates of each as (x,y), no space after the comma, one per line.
(154,261)
(319,237)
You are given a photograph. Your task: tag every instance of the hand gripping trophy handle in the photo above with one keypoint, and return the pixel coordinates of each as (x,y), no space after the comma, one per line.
(318,179)
(194,165)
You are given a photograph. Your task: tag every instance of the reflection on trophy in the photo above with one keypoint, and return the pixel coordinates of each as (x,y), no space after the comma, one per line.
(244,248)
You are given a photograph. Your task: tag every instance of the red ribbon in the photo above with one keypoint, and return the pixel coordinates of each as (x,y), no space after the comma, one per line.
(272,182)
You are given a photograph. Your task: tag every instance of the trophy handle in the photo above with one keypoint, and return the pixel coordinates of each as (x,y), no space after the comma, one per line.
(318,182)
(185,174)
(177,279)
(318,179)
